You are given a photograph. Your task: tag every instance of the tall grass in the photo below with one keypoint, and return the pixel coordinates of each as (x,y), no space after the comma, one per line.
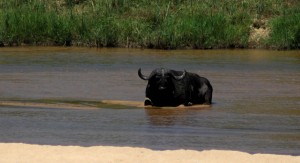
(165,24)
(286,29)
(33,23)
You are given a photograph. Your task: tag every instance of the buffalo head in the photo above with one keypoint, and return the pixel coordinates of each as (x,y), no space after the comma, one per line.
(161,86)
(161,78)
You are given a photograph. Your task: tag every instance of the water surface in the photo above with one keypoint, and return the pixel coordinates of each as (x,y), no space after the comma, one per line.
(256,99)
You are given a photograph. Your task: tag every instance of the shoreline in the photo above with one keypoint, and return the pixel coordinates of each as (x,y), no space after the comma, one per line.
(89,105)
(258,47)
(19,152)
(134,50)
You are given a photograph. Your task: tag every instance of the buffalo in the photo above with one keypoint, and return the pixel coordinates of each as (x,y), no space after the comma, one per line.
(172,88)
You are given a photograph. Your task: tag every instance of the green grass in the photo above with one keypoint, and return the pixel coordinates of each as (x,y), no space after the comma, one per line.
(286,29)
(164,24)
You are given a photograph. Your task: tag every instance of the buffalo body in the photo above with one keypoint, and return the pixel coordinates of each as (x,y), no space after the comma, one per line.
(172,88)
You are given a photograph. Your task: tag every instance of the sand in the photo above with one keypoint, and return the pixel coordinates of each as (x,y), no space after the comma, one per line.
(17,152)
(114,103)
(45,105)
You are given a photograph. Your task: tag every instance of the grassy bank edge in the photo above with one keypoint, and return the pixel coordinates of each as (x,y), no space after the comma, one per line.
(166,24)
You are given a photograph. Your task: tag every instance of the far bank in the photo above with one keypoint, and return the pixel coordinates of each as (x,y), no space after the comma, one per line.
(157,24)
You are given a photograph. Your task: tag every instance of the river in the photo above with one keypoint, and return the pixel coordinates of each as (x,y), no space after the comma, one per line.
(256,99)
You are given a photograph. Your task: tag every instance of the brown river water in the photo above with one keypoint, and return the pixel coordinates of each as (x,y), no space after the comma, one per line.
(256,99)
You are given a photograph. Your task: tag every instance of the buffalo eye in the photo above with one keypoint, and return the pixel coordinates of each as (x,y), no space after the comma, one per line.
(158,78)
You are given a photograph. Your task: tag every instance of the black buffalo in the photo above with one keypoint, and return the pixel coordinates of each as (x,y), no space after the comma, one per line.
(173,88)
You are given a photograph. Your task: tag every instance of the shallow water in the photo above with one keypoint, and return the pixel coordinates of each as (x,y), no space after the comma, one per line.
(256,99)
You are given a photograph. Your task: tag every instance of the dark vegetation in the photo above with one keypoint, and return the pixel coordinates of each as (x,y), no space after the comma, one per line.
(165,24)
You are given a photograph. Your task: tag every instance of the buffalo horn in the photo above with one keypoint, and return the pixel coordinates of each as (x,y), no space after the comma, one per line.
(180,76)
(142,76)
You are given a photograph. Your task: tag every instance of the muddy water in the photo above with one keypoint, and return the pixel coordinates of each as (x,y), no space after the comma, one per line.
(256,99)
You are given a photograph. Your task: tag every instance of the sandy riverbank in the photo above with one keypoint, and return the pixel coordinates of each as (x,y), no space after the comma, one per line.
(101,104)
(16,152)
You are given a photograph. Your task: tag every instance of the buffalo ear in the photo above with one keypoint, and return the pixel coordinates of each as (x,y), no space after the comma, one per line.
(141,75)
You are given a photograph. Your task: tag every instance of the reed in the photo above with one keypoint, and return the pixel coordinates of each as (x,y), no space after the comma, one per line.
(165,24)
(286,30)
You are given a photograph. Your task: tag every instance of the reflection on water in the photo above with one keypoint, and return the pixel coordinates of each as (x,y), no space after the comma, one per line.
(170,117)
(256,99)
